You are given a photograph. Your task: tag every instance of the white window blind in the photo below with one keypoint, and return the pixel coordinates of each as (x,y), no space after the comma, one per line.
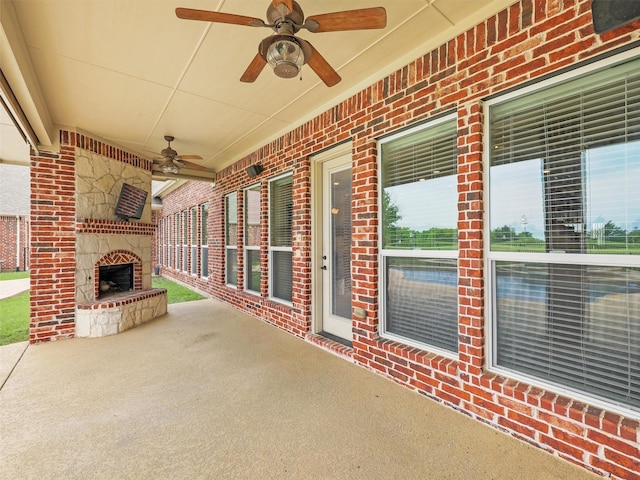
(564,176)
(185,240)
(419,235)
(252,239)
(204,240)
(280,238)
(193,215)
(231,238)
(419,189)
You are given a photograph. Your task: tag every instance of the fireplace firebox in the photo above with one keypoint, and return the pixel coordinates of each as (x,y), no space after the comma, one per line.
(115,278)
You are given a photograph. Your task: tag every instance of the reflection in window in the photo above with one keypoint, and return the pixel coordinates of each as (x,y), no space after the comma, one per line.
(419,235)
(231,238)
(252,267)
(597,351)
(564,174)
(204,240)
(419,195)
(422,300)
(193,215)
(280,238)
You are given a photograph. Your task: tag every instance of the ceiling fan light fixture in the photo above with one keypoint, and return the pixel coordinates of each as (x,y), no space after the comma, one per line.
(170,168)
(285,57)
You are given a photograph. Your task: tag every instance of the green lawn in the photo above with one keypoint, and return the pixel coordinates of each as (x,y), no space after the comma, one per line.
(176,293)
(14,311)
(14,319)
(13,275)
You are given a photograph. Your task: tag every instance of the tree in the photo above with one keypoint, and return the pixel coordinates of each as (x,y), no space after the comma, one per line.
(390,219)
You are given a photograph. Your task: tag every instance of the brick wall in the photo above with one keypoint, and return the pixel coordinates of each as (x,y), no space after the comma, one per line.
(191,194)
(523,43)
(13,255)
(53,261)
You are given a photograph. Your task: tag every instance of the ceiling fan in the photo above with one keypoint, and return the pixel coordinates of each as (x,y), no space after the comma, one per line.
(285,52)
(171,162)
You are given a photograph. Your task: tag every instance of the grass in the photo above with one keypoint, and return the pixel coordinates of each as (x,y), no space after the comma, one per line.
(14,311)
(14,319)
(13,275)
(176,293)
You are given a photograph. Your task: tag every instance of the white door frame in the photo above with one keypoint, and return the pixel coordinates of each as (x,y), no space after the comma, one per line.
(317,192)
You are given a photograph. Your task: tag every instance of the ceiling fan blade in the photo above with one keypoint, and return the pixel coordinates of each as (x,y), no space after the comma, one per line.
(288,3)
(253,70)
(362,19)
(188,157)
(218,17)
(322,68)
(192,165)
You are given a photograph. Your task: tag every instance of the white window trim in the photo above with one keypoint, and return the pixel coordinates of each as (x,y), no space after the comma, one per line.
(246,247)
(229,247)
(203,246)
(545,258)
(177,242)
(194,261)
(184,222)
(384,253)
(272,249)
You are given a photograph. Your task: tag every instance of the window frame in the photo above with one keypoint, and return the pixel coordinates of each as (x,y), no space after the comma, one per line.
(184,218)
(193,239)
(385,253)
(254,248)
(203,229)
(227,246)
(492,258)
(176,244)
(271,248)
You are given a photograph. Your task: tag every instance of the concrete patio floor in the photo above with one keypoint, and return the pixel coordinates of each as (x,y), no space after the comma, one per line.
(208,392)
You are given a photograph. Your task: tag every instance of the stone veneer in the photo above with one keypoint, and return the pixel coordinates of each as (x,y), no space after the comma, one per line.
(102,238)
(98,231)
(119,312)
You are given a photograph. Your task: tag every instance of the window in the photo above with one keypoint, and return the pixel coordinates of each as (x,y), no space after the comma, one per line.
(168,223)
(231,238)
(160,241)
(193,214)
(177,241)
(419,238)
(564,233)
(280,244)
(252,273)
(185,241)
(204,239)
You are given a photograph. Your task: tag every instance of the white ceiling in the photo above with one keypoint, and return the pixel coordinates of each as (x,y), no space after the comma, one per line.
(130,71)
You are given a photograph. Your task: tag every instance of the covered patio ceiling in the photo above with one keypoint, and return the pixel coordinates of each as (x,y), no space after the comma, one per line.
(131,72)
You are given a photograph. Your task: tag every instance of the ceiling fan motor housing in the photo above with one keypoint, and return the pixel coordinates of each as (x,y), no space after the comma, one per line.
(276,15)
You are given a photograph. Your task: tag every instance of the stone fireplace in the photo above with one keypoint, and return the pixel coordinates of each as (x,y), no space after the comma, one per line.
(113,256)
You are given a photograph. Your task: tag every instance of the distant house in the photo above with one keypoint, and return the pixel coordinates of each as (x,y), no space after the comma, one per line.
(14,217)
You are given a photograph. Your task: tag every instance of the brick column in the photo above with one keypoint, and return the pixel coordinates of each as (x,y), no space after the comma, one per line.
(364,246)
(471,343)
(53,246)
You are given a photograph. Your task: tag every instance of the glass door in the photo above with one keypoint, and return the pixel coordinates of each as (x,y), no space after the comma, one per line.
(336,248)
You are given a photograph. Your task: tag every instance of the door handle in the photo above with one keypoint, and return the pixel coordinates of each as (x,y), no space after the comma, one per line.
(323,267)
